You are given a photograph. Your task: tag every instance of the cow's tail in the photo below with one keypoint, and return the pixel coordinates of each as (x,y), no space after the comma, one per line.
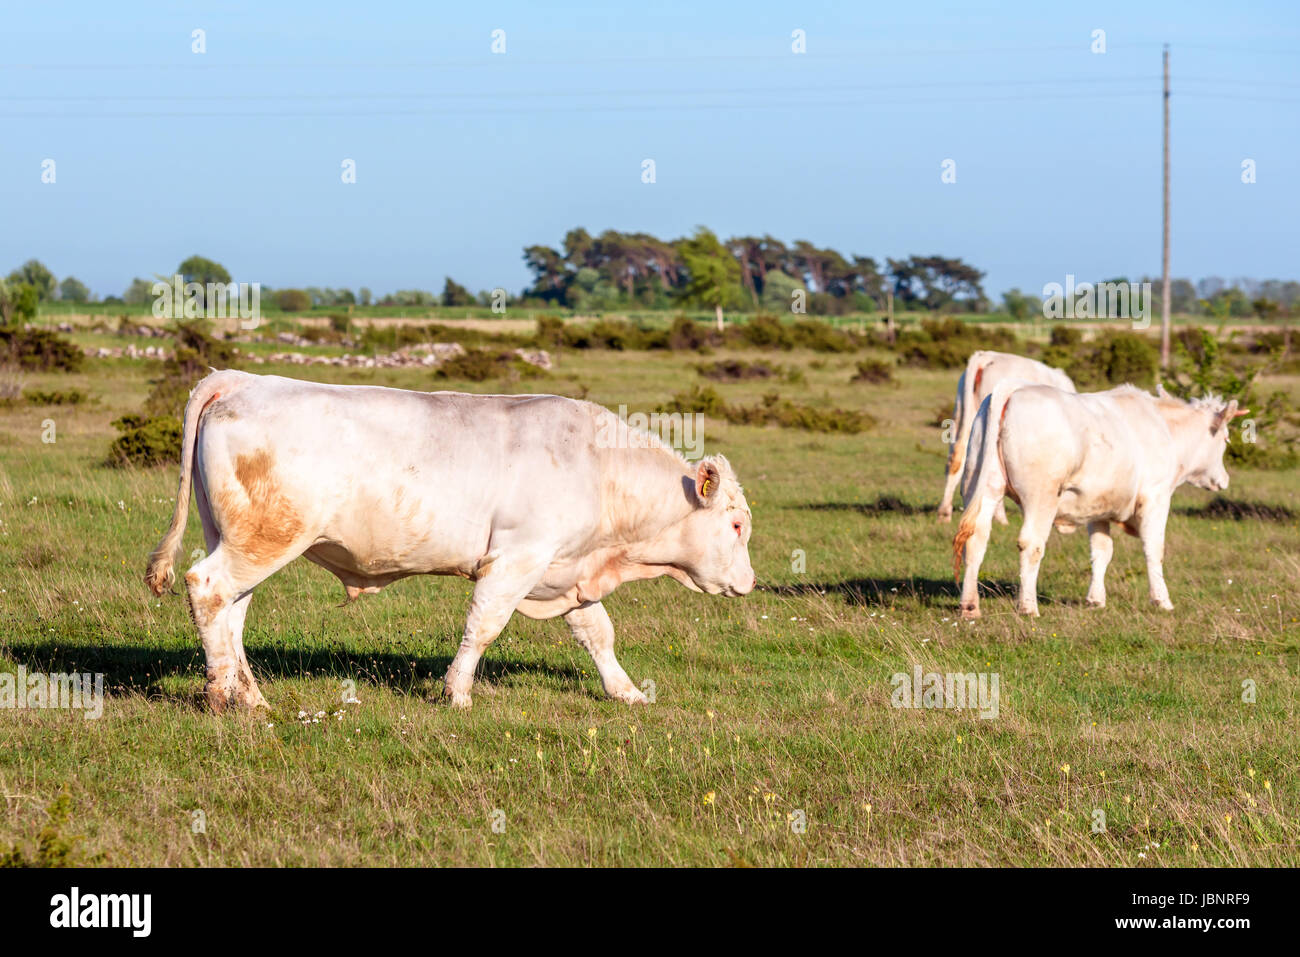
(970,381)
(985,475)
(161,573)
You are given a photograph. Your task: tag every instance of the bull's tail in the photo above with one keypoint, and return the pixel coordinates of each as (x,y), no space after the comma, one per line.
(966,408)
(985,476)
(161,573)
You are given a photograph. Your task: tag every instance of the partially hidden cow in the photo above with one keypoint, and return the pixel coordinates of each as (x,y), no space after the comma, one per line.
(1085,460)
(984,370)
(545,503)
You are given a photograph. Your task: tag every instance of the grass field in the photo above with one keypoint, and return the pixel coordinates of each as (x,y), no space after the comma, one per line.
(772,740)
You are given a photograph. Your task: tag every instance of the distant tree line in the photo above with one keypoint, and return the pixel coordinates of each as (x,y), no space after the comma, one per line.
(616,270)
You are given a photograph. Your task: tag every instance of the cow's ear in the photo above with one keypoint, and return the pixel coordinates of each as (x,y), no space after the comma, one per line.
(1224,416)
(707,481)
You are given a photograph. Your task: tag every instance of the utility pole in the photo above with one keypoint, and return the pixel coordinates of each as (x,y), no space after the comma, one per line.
(1164,255)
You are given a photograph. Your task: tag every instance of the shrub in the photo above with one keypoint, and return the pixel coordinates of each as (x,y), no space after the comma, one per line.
(772,410)
(480,365)
(39,350)
(56,397)
(735,370)
(146,441)
(874,372)
(293,300)
(765,331)
(823,337)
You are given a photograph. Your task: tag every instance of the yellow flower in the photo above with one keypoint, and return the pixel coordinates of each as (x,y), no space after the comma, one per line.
(1065,768)
(591,733)
(711,715)
(710,797)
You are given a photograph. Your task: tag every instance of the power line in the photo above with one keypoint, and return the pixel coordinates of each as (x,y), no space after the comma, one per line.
(592,108)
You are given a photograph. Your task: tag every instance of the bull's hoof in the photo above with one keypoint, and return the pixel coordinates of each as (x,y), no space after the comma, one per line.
(944,514)
(223,698)
(459,699)
(1029,612)
(970,612)
(630,696)
(1095,602)
(1163,604)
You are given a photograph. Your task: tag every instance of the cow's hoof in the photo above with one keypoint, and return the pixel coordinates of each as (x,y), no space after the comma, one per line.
(631,696)
(223,698)
(1029,612)
(1163,605)
(460,699)
(970,612)
(944,515)
(1095,602)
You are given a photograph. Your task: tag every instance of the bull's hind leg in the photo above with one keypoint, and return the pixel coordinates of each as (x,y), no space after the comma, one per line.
(1000,513)
(501,586)
(974,555)
(593,630)
(1100,547)
(956,459)
(1032,542)
(219,596)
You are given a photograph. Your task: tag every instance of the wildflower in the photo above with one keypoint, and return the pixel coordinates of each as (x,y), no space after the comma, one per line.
(710,797)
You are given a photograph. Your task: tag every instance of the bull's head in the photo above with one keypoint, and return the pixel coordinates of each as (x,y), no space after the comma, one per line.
(714,537)
(1204,467)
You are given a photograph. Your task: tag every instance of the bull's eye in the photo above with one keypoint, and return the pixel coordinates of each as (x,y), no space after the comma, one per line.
(738,525)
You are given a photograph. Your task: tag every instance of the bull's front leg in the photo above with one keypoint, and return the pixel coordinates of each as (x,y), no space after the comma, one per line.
(593,630)
(1151,528)
(499,590)
(1100,547)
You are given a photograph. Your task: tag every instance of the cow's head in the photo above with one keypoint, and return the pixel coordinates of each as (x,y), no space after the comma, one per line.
(714,537)
(1207,442)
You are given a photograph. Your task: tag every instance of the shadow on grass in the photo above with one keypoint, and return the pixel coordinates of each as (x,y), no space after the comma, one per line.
(1226,508)
(930,592)
(149,670)
(883,505)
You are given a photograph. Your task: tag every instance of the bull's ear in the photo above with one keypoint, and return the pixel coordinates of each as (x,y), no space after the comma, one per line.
(707,481)
(1224,416)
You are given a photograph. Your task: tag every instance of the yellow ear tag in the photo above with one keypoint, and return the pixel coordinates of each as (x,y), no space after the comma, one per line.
(704,489)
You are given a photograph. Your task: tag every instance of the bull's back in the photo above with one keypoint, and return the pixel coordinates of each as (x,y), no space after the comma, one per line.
(394,479)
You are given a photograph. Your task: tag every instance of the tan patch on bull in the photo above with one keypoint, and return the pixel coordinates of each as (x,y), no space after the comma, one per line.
(258,521)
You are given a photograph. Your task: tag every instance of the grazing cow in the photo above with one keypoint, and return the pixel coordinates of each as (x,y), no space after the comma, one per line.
(984,370)
(547,504)
(1090,459)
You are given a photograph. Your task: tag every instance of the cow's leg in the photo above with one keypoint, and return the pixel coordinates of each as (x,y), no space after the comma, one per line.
(218,595)
(1100,548)
(1000,513)
(497,593)
(1032,541)
(593,630)
(235,623)
(956,459)
(1152,530)
(974,556)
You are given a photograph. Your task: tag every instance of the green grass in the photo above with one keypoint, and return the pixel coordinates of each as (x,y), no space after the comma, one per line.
(767,706)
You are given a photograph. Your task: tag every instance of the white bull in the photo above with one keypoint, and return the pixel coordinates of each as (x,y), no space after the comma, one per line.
(1091,459)
(984,370)
(547,504)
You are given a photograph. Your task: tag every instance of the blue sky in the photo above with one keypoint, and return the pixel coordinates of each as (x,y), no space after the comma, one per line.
(464,157)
